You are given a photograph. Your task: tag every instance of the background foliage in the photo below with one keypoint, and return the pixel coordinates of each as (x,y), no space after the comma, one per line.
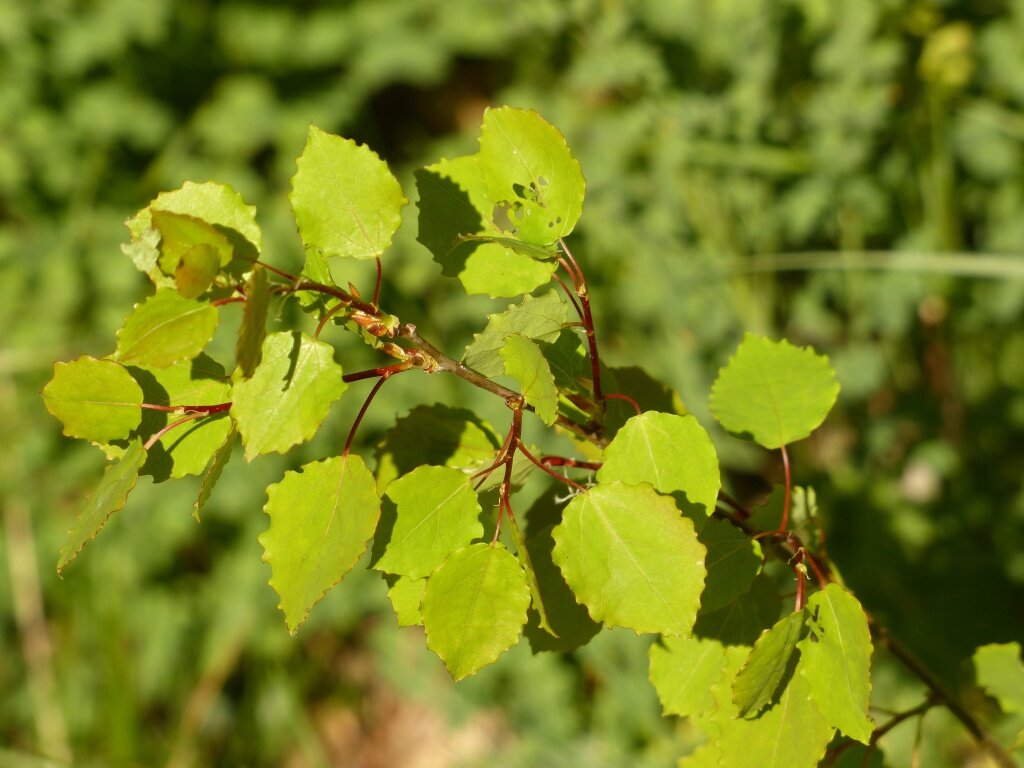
(745,159)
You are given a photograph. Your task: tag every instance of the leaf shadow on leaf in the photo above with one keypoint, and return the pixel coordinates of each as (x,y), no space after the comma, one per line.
(446,212)
(293,360)
(385,527)
(431,435)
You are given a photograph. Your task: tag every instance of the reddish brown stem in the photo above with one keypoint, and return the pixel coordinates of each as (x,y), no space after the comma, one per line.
(801,582)
(362,411)
(227,300)
(384,370)
(564,461)
(784,523)
(569,296)
(187,408)
(625,398)
(326,318)
(376,286)
(156,437)
(522,449)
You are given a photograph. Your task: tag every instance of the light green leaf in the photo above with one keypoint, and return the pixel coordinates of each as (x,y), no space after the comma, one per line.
(165,328)
(214,203)
(631,558)
(1000,672)
(769,666)
(405,595)
(289,393)
(474,607)
(557,621)
(118,480)
(187,449)
(742,621)
(453,206)
(733,560)
(538,318)
(196,270)
(437,512)
(95,399)
(684,671)
(253,330)
(837,661)
(533,182)
(320,521)
(346,201)
(180,234)
(525,363)
(670,452)
(144,252)
(213,473)
(791,734)
(774,391)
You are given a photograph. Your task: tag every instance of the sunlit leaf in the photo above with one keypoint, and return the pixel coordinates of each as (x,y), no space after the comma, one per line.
(525,363)
(538,318)
(769,667)
(321,518)
(405,595)
(213,472)
(253,330)
(474,607)
(1000,672)
(95,399)
(683,671)
(164,329)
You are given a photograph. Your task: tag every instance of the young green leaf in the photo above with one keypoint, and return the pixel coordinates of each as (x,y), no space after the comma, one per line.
(769,667)
(733,560)
(683,671)
(289,393)
(213,472)
(405,595)
(196,270)
(837,661)
(525,363)
(774,391)
(253,330)
(164,329)
(346,201)
(437,512)
(743,620)
(533,182)
(180,234)
(118,480)
(631,558)
(474,607)
(95,399)
(538,318)
(671,453)
(321,518)
(1000,672)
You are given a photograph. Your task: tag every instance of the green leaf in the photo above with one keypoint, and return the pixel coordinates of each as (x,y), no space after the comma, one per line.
(212,202)
(1000,672)
(538,318)
(187,449)
(164,329)
(118,480)
(684,671)
(346,201)
(196,270)
(437,512)
(525,363)
(837,661)
(213,472)
(791,734)
(321,518)
(671,453)
(769,667)
(289,393)
(95,399)
(438,435)
(742,621)
(180,234)
(532,180)
(557,622)
(774,391)
(474,607)
(733,561)
(253,330)
(453,207)
(144,252)
(631,558)
(405,595)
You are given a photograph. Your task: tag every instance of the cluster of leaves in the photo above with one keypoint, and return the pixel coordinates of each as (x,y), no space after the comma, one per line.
(642,544)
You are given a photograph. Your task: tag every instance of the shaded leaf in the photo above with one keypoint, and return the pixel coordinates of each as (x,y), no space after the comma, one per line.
(405,595)
(196,270)
(437,512)
(837,661)
(474,607)
(683,671)
(774,391)
(671,453)
(321,518)
(253,330)
(346,201)
(769,667)
(733,561)
(289,394)
(95,399)
(118,480)
(164,329)
(631,558)
(213,472)
(180,234)
(742,620)
(525,363)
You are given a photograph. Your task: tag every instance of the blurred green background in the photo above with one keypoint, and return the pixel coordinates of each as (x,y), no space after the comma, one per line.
(848,175)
